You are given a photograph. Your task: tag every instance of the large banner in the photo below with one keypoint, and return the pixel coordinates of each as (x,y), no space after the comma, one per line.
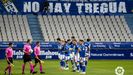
(49,50)
(19,45)
(99,50)
(63,8)
(112,45)
(95,54)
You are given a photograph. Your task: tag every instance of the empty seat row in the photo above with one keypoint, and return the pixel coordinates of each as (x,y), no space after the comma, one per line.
(14,28)
(98,28)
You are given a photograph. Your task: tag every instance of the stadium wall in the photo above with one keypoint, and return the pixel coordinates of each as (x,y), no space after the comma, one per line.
(64,8)
(99,50)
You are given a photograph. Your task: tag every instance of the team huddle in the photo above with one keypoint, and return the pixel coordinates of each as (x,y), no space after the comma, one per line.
(77,52)
(70,50)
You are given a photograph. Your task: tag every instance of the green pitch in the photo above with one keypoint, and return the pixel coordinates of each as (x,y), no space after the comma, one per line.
(95,67)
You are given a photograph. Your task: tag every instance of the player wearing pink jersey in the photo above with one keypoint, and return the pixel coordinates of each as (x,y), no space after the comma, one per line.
(37,56)
(9,58)
(27,57)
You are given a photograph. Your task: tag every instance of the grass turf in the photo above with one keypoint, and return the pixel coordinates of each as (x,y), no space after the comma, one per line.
(95,67)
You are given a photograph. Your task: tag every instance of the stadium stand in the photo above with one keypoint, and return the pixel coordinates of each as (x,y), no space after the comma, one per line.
(99,28)
(49,27)
(14,28)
